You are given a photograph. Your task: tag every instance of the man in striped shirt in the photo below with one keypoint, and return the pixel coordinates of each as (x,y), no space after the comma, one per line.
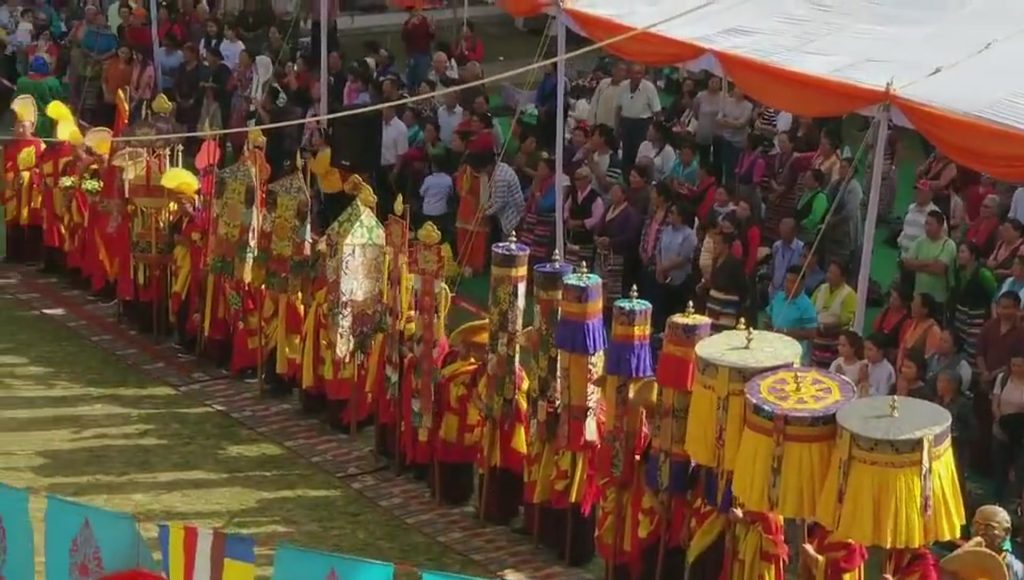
(503,196)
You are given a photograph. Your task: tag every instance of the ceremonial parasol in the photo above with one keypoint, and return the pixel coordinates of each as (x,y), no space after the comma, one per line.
(788,435)
(725,363)
(892,481)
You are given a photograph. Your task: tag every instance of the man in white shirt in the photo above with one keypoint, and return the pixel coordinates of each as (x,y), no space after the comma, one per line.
(638,105)
(449,115)
(913,223)
(605,102)
(394,142)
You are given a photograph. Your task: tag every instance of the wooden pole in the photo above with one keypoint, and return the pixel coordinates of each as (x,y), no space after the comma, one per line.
(258,289)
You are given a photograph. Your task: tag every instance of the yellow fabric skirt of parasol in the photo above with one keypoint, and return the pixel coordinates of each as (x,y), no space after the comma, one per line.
(806,456)
(559,476)
(883,503)
(715,422)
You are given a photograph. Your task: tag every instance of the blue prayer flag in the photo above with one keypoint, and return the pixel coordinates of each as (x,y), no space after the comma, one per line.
(17,556)
(430,575)
(85,542)
(291,563)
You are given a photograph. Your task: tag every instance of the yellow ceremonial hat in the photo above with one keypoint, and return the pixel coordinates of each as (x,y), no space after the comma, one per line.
(429,234)
(974,563)
(181,181)
(69,131)
(99,139)
(476,333)
(162,105)
(24,108)
(59,112)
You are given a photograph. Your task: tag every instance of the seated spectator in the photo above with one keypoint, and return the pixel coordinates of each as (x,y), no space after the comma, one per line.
(949,357)
(850,361)
(910,381)
(877,378)
(812,205)
(658,148)
(922,332)
(1015,283)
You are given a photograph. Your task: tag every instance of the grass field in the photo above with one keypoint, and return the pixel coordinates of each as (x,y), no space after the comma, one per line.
(76,422)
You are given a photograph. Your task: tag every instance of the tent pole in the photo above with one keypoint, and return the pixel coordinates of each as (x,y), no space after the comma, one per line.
(560,134)
(154,33)
(324,31)
(871,223)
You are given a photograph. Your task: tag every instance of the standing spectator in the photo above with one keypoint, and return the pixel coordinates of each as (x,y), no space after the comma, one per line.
(937,175)
(117,75)
(656,220)
(1009,246)
(913,229)
(974,289)
(658,148)
(727,285)
(1017,205)
(684,170)
(449,115)
(282,142)
(836,305)
(983,230)
(813,205)
(138,34)
(188,90)
(748,232)
(843,235)
(1008,427)
(932,259)
(437,191)
(603,163)
(470,74)
(546,101)
(890,322)
(219,87)
(583,210)
(784,170)
(470,48)
(244,77)
(673,264)
(706,106)
(878,378)
(616,238)
(169,58)
(1000,341)
(213,36)
(787,251)
(734,121)
(276,48)
(539,219)
(505,203)
(751,172)
(394,142)
(792,313)
(443,70)
(1015,282)
(638,105)
(639,190)
(143,83)
(922,332)
(605,102)
(417,36)
(231,47)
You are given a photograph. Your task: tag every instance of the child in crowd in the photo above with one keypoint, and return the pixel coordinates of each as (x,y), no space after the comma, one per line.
(910,382)
(437,191)
(851,361)
(877,377)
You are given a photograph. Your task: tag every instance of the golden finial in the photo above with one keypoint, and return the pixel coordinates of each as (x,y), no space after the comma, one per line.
(798,384)
(634,293)
(689,309)
(556,257)
(750,336)
(512,237)
(741,324)
(894,406)
(399,207)
(583,267)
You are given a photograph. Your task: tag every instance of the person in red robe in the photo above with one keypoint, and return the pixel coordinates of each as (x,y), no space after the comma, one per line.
(22,193)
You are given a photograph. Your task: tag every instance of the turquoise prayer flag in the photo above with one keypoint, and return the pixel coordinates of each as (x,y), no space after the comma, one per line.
(17,556)
(292,563)
(85,542)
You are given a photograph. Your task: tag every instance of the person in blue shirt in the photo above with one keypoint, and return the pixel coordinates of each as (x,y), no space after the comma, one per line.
(792,313)
(673,265)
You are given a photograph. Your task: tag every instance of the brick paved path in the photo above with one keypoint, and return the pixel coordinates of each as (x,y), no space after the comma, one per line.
(498,550)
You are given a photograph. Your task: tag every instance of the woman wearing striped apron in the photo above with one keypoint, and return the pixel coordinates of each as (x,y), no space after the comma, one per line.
(973,290)
(836,304)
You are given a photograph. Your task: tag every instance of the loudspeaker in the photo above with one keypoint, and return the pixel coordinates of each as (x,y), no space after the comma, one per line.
(355,140)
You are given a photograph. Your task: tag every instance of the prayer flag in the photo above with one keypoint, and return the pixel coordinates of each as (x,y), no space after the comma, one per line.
(192,553)
(430,575)
(17,559)
(84,542)
(291,563)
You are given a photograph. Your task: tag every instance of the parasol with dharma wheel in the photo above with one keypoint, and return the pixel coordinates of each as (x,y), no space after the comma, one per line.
(892,481)
(789,431)
(725,363)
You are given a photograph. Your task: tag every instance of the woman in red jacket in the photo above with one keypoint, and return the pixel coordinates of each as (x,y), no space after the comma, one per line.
(470,48)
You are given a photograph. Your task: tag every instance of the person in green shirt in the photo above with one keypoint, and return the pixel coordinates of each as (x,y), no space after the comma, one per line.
(974,287)
(812,206)
(932,258)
